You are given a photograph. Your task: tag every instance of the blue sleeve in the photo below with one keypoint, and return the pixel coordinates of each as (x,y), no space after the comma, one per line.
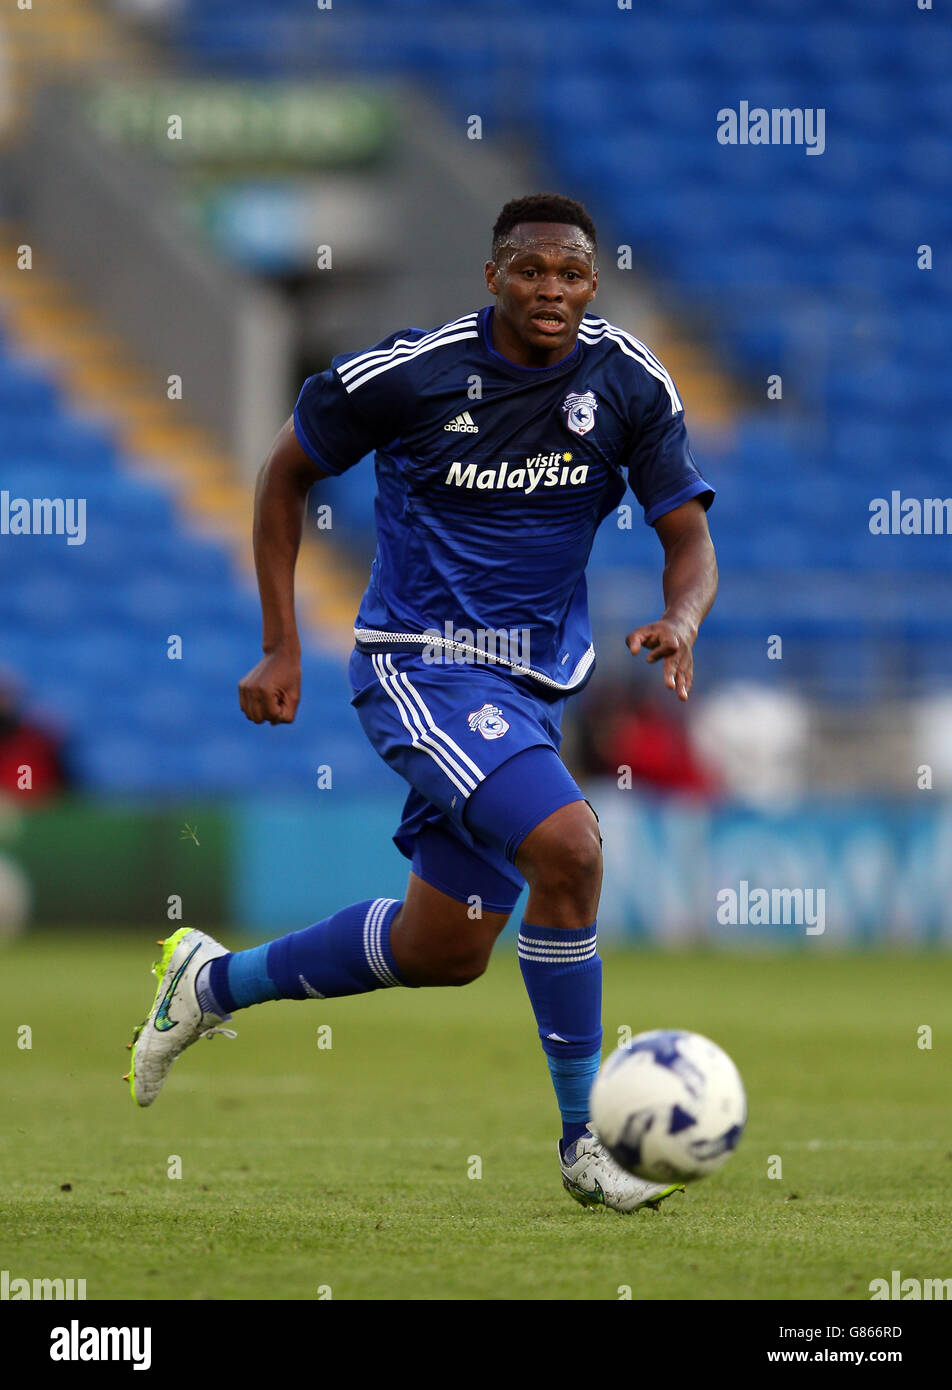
(357,405)
(661,467)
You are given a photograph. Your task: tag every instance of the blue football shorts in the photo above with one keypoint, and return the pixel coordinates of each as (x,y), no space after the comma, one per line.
(480,752)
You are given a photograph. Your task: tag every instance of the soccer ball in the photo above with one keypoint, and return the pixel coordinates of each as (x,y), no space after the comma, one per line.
(669,1106)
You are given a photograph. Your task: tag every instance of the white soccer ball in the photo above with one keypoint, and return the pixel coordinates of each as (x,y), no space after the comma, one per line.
(669,1106)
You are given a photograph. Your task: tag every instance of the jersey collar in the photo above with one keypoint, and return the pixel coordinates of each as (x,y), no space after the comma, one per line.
(485,322)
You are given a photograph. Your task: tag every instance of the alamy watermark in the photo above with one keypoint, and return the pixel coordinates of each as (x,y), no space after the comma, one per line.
(744,906)
(781,125)
(15,1290)
(43,516)
(910,516)
(76,1343)
(906,1289)
(482,646)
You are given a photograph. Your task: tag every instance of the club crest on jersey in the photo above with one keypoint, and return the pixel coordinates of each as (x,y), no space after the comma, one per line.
(488,721)
(579,409)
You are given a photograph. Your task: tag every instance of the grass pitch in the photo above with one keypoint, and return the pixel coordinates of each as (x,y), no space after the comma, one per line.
(306,1168)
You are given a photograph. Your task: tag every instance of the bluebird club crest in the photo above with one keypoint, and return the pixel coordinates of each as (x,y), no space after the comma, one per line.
(488,721)
(579,410)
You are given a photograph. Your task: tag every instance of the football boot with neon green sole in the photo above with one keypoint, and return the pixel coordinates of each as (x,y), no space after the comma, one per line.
(176,1019)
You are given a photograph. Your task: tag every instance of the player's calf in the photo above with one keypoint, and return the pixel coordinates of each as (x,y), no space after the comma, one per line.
(561,858)
(440,940)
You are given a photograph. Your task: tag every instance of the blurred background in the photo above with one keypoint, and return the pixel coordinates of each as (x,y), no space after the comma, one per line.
(202,202)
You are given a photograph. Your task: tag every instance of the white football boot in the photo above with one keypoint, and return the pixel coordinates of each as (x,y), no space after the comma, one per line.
(592,1177)
(176,1019)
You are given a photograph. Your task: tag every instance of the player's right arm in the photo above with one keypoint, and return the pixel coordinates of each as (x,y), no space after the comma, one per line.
(271,691)
(341,415)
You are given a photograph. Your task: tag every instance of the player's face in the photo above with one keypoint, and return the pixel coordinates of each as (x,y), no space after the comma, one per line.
(543,278)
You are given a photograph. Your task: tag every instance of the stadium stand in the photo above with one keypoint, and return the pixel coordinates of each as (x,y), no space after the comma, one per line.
(88,626)
(797,265)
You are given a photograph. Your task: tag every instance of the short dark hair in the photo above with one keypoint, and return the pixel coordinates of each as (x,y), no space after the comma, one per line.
(541,207)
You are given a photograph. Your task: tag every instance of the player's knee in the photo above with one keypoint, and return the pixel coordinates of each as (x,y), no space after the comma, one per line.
(564,854)
(439,957)
(576,871)
(460,966)
(463,969)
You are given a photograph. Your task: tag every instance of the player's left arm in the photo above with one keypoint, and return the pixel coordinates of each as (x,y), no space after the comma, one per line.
(690,586)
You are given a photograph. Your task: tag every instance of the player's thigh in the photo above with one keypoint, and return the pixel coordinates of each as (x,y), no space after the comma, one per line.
(440,940)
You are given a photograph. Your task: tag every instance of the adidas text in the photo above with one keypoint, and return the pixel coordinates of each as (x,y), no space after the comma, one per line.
(463,424)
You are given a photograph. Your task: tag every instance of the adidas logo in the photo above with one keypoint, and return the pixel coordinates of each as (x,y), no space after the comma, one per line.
(463,424)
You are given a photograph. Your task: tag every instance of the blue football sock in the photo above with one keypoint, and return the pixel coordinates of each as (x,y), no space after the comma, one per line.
(348,953)
(571,1132)
(563,976)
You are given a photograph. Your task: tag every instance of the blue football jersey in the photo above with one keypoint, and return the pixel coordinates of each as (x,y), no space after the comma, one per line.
(492,480)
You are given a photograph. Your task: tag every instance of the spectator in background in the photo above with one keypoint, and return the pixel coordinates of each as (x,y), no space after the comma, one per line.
(32,767)
(757,739)
(930,754)
(632,727)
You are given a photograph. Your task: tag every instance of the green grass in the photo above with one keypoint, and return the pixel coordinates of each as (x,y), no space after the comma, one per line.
(347,1167)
